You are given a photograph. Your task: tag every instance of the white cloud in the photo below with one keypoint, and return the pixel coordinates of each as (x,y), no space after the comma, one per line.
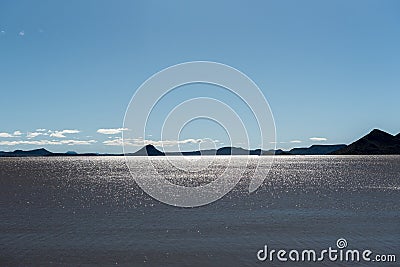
(70,131)
(3,32)
(6,135)
(111,131)
(14,134)
(295,141)
(38,132)
(17,133)
(47,142)
(21,33)
(61,134)
(57,135)
(141,142)
(77,142)
(115,142)
(33,135)
(318,139)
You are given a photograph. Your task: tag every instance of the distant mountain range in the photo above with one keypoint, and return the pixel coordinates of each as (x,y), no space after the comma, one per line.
(42,153)
(377,142)
(227,151)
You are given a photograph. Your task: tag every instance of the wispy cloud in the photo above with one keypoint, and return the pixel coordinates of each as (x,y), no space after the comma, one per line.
(21,33)
(77,142)
(295,141)
(42,132)
(57,135)
(140,142)
(47,142)
(39,132)
(7,135)
(33,135)
(114,142)
(61,134)
(111,131)
(318,139)
(17,133)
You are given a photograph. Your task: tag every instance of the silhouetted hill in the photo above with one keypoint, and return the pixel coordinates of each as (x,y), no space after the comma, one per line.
(316,149)
(377,142)
(148,150)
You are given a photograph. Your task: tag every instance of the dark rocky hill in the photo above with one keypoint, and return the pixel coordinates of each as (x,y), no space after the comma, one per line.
(377,142)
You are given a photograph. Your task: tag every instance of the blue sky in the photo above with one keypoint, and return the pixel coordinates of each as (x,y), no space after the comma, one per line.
(329,69)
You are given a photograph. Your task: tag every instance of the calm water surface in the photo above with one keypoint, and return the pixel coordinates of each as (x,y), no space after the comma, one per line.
(89,211)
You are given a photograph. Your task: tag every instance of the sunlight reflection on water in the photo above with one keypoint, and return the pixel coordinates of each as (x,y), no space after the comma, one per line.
(89,210)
